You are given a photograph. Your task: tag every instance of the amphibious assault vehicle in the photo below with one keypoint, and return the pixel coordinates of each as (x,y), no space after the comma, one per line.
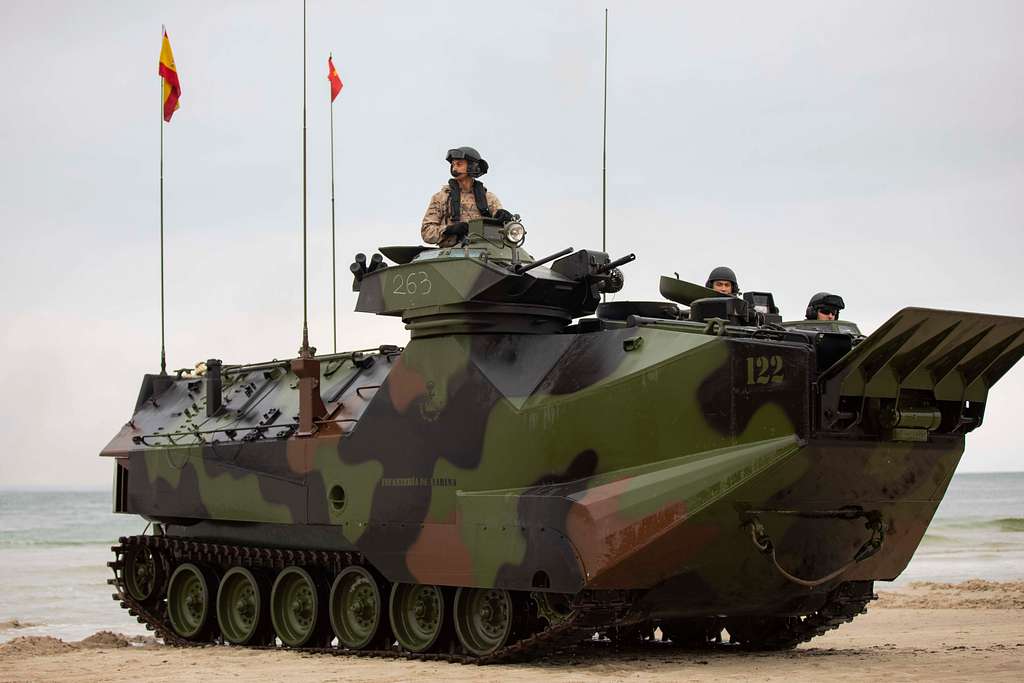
(536,467)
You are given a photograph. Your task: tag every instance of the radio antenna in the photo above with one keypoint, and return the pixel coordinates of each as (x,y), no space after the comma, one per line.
(604,149)
(306,367)
(304,351)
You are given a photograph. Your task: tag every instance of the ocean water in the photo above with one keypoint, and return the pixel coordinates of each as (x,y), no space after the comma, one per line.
(977,532)
(54,547)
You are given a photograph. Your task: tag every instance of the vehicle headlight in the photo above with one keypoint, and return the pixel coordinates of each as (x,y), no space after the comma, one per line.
(515,234)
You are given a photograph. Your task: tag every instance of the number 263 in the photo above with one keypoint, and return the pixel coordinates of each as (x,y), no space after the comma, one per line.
(417,282)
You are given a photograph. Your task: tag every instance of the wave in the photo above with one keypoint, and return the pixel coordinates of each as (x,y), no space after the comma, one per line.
(1004,524)
(12,624)
(12,543)
(936,539)
(1010,524)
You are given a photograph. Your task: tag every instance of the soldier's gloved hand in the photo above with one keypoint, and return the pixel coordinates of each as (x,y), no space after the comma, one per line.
(457,230)
(504,216)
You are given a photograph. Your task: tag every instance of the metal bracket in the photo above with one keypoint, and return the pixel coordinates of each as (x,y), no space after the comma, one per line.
(763,542)
(715,326)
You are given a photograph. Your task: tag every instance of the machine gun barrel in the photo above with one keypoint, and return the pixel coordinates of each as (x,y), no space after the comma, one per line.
(520,268)
(628,258)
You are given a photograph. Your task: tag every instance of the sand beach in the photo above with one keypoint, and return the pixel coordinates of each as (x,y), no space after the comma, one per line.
(972,630)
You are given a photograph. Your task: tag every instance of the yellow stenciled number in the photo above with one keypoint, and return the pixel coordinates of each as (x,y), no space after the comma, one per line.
(765,370)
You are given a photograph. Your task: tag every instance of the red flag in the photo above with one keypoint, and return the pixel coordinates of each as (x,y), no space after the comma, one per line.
(169,72)
(334,78)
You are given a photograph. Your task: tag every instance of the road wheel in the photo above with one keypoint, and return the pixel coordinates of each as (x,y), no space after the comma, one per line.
(417,615)
(242,607)
(483,619)
(143,574)
(295,607)
(356,608)
(189,598)
(692,634)
(764,633)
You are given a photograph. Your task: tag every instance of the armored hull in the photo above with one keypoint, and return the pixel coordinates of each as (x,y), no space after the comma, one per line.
(510,483)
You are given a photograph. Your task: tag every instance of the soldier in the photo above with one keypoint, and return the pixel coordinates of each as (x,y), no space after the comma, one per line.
(462,199)
(723,281)
(825,306)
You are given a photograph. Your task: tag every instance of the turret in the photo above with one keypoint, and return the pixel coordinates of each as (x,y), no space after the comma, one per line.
(487,284)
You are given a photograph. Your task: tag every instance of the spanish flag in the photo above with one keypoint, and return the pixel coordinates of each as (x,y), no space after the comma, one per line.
(334,78)
(168,72)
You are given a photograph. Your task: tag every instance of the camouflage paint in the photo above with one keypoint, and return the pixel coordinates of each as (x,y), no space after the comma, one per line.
(613,456)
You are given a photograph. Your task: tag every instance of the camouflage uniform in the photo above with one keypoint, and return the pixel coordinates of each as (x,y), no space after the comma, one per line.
(438,215)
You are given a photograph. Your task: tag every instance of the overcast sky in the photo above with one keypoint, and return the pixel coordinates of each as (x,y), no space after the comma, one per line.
(873,149)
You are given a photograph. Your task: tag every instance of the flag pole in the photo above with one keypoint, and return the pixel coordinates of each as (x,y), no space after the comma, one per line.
(163,350)
(305,351)
(334,276)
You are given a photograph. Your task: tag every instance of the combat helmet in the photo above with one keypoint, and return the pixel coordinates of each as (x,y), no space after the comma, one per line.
(723,273)
(476,165)
(824,301)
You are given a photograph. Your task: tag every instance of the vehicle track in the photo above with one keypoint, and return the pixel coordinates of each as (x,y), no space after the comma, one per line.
(593,611)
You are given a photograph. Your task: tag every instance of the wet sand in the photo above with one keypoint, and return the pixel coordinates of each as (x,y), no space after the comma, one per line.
(968,631)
